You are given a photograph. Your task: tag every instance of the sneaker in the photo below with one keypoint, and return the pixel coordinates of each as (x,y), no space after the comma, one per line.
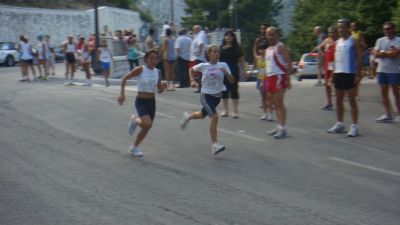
(384,119)
(318,83)
(135,151)
(216,148)
(337,128)
(280,134)
(272,132)
(184,120)
(353,132)
(132,125)
(327,107)
(264,116)
(269,117)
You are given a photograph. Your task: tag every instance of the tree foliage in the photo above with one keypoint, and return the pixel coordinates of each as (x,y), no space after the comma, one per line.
(247,14)
(310,13)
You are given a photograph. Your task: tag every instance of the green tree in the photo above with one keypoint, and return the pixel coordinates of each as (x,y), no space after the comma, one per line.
(250,14)
(310,13)
(396,15)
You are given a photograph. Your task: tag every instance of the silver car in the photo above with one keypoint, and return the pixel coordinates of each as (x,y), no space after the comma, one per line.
(8,54)
(307,66)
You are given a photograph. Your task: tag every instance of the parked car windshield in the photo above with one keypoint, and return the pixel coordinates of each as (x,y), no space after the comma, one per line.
(4,46)
(310,59)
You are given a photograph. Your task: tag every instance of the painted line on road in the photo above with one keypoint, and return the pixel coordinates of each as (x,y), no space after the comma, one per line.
(179,104)
(165,115)
(107,100)
(241,135)
(376,169)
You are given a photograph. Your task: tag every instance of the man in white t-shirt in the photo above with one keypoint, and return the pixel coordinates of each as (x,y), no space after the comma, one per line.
(387,53)
(182,48)
(197,51)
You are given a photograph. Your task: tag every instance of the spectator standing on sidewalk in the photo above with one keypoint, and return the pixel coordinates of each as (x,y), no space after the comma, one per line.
(231,54)
(182,48)
(197,52)
(70,50)
(387,51)
(259,46)
(148,82)
(133,53)
(169,58)
(105,57)
(42,57)
(86,60)
(51,60)
(26,57)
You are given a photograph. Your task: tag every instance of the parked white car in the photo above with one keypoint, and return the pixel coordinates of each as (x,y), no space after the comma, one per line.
(307,66)
(8,54)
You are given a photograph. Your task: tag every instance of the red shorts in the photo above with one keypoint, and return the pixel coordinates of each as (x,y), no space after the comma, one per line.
(276,83)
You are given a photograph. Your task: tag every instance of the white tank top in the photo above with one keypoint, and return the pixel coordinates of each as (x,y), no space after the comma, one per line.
(271,65)
(345,56)
(71,47)
(147,81)
(25,52)
(105,55)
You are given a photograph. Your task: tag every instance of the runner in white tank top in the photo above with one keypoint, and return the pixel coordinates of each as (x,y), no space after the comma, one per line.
(148,82)
(213,74)
(347,74)
(278,70)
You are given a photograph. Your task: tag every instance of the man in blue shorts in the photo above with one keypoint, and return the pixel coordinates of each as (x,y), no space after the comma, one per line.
(387,52)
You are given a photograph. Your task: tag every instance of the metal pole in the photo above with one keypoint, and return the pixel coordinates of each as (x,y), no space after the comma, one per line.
(96,67)
(236,16)
(172,11)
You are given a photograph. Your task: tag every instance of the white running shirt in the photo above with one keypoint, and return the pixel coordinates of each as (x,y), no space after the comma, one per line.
(212,81)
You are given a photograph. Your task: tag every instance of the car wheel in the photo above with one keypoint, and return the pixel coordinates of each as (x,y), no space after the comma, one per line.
(299,78)
(10,61)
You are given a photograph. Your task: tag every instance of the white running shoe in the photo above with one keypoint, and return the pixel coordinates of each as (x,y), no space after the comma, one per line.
(384,119)
(353,132)
(184,120)
(337,128)
(132,125)
(269,117)
(280,134)
(216,148)
(264,116)
(135,151)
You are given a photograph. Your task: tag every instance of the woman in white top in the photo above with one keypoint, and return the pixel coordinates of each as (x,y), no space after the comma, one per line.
(105,57)
(212,85)
(26,58)
(148,82)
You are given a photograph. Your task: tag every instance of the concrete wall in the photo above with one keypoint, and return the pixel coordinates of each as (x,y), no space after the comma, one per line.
(15,21)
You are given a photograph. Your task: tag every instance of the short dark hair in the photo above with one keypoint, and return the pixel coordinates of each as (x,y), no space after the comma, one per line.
(147,54)
(347,22)
(390,23)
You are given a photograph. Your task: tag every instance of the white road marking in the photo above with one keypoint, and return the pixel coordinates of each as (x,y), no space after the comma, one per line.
(241,135)
(179,104)
(107,100)
(365,166)
(165,115)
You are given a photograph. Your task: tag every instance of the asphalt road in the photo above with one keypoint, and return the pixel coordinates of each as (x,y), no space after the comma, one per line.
(64,159)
